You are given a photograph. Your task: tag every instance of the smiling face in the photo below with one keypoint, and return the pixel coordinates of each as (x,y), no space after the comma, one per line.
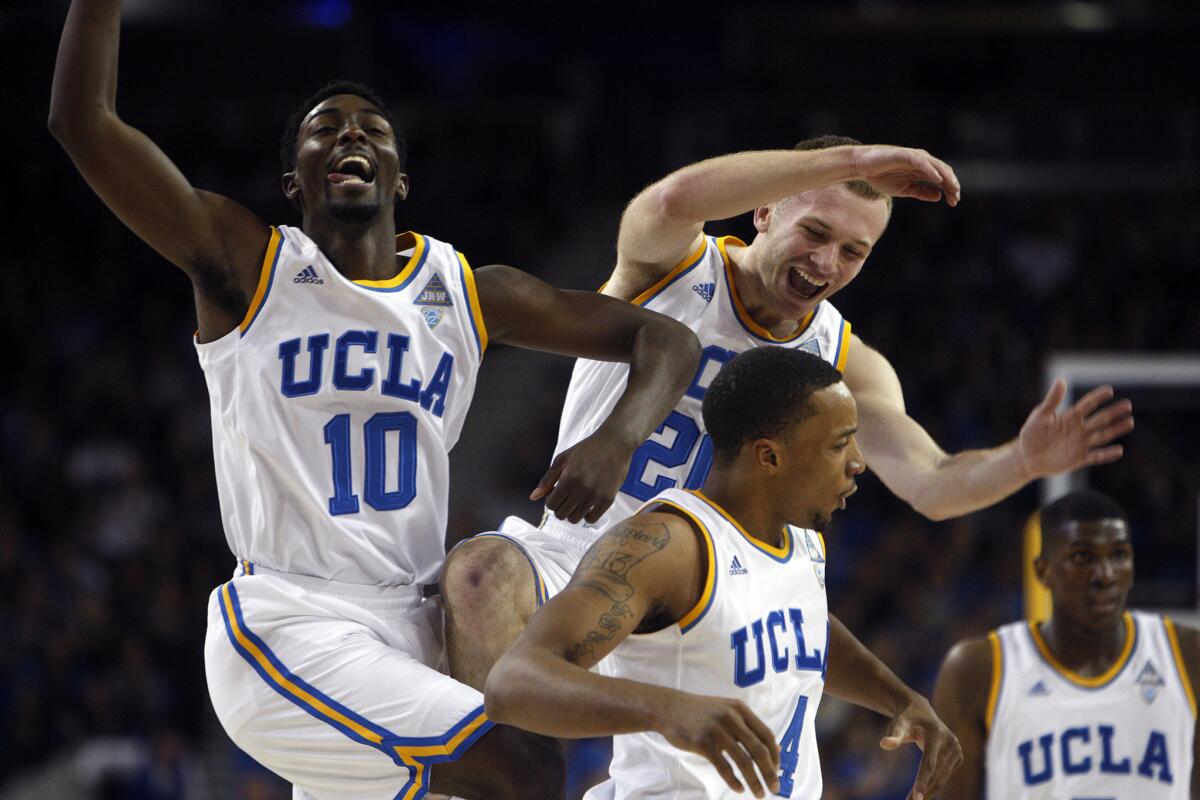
(812,244)
(818,459)
(1088,567)
(347,165)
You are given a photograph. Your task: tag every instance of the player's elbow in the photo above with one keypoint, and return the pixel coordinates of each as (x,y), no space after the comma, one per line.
(73,128)
(666,335)
(501,691)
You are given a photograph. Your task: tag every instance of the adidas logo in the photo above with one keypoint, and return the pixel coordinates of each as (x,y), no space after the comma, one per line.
(307,275)
(736,568)
(1039,690)
(705,290)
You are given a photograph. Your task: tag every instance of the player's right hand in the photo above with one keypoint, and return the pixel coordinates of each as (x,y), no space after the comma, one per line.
(905,172)
(721,730)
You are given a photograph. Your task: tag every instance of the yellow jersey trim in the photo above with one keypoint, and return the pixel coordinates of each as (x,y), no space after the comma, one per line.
(473,300)
(689,261)
(993,698)
(688,620)
(1075,677)
(1180,665)
(407,270)
(743,315)
(264,278)
(824,551)
(843,349)
(778,553)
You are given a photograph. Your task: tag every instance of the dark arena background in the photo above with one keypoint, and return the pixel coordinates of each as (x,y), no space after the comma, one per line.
(1073,126)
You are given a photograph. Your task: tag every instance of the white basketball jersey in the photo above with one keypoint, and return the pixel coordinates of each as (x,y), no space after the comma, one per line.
(334,405)
(700,293)
(1124,734)
(759,634)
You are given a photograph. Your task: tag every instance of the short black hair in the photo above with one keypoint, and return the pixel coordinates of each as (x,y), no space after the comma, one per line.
(1085,505)
(760,394)
(291,130)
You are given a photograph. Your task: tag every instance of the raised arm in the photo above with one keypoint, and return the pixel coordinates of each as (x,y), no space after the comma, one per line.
(664,222)
(217,242)
(646,572)
(960,697)
(854,674)
(940,485)
(662,355)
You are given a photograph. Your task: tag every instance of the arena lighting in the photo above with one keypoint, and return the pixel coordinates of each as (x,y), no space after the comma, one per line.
(1086,16)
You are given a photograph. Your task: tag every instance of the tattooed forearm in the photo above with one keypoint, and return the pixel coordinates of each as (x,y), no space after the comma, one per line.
(605,569)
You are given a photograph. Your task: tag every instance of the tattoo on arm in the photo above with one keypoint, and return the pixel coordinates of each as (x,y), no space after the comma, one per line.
(605,569)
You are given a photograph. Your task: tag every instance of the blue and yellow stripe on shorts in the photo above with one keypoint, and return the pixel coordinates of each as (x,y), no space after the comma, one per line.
(415,753)
(539,586)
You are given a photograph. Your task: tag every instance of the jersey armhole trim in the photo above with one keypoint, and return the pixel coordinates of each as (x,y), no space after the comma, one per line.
(1180,665)
(476,315)
(843,346)
(266,277)
(678,271)
(697,612)
(993,699)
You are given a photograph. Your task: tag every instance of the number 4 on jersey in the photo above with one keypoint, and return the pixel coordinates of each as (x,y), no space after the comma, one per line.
(789,758)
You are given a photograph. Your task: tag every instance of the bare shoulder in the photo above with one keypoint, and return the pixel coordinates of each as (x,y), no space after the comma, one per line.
(966,674)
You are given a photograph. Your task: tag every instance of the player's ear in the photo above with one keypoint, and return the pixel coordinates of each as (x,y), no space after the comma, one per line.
(1040,566)
(290,187)
(401,186)
(767,455)
(762,218)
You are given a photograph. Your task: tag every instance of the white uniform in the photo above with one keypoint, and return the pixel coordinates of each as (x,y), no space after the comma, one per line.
(759,634)
(1126,734)
(334,405)
(700,293)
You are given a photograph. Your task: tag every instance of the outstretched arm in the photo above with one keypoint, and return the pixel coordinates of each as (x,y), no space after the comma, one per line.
(941,486)
(650,568)
(662,355)
(217,242)
(663,223)
(854,674)
(961,696)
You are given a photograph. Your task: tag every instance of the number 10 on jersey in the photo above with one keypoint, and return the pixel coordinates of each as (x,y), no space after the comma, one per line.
(375,439)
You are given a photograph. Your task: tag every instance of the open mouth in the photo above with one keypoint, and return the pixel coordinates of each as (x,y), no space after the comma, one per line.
(804,284)
(352,170)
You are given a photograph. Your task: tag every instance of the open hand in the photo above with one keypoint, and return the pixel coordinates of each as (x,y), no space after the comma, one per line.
(905,172)
(1051,442)
(940,752)
(583,480)
(721,730)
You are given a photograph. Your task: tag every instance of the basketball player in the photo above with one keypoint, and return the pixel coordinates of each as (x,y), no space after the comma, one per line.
(341,359)
(712,605)
(1096,702)
(818,212)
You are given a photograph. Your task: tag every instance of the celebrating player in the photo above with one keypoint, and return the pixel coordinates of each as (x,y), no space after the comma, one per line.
(712,605)
(818,211)
(1095,702)
(341,359)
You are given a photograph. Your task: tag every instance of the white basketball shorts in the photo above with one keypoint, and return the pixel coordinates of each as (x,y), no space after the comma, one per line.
(335,686)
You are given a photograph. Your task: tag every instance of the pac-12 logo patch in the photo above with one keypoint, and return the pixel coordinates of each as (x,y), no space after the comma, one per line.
(434,294)
(1150,681)
(432,316)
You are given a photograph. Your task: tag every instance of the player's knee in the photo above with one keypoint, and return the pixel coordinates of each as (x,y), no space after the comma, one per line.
(479,572)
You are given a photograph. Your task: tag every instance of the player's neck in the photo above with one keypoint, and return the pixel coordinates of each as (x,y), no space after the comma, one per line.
(1089,653)
(364,251)
(751,508)
(747,282)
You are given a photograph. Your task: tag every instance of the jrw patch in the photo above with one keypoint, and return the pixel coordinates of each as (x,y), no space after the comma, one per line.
(434,293)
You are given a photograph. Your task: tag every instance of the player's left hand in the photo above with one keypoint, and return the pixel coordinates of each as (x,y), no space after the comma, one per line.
(583,480)
(941,752)
(1081,436)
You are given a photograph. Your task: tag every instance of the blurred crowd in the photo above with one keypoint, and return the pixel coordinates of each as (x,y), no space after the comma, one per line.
(110,533)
